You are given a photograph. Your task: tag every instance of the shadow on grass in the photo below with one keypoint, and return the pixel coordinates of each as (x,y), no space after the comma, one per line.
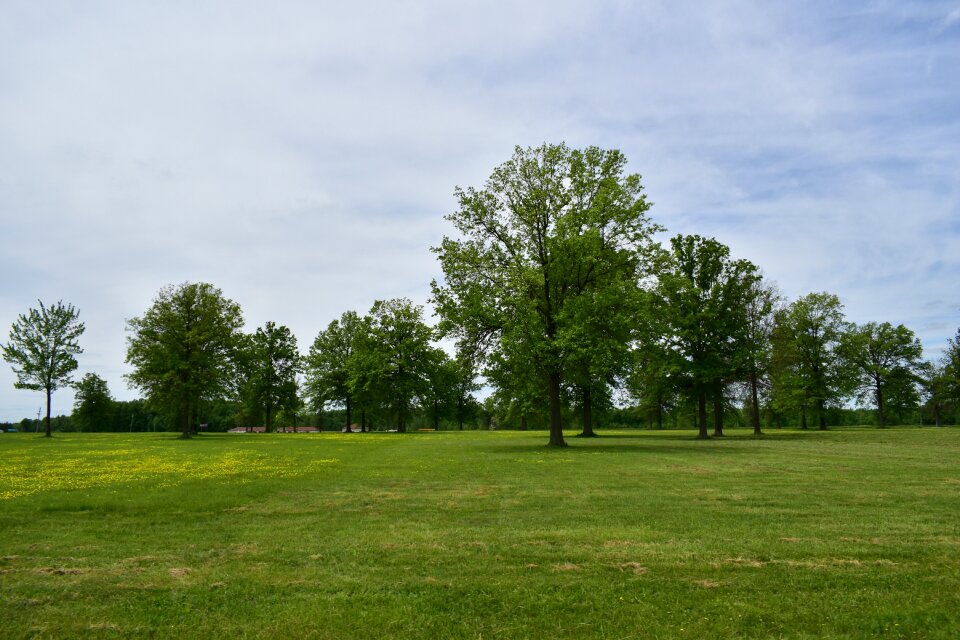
(706,446)
(736,443)
(739,435)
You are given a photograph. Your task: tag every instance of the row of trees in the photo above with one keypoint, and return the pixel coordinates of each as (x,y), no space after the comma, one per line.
(556,291)
(556,282)
(188,352)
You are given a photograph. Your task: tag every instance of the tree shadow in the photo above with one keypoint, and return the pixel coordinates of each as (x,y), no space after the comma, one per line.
(709,446)
(737,443)
(739,435)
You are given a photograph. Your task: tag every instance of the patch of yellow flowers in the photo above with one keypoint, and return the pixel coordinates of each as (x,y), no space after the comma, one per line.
(22,475)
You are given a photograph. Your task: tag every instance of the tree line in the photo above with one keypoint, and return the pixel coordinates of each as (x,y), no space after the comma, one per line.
(555,291)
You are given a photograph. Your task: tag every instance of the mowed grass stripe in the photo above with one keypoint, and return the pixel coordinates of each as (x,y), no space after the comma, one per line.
(846,533)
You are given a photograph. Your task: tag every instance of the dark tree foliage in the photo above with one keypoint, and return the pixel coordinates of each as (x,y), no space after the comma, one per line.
(697,307)
(273,366)
(182,349)
(950,364)
(886,363)
(390,365)
(328,364)
(93,406)
(754,351)
(812,372)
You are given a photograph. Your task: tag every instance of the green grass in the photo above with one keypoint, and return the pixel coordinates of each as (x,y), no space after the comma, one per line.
(848,533)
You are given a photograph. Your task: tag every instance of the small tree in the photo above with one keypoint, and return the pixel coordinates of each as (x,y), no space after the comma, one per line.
(275,363)
(328,364)
(93,406)
(42,348)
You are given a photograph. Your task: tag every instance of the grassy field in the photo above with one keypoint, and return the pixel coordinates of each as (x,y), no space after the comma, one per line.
(847,533)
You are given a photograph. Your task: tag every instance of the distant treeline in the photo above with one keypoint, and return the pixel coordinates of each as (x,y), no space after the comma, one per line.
(135,416)
(560,301)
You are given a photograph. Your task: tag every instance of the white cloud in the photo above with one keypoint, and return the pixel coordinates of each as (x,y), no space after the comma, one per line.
(302,157)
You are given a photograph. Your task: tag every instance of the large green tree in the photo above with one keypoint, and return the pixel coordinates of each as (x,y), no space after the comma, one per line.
(42,349)
(886,361)
(935,387)
(807,338)
(950,363)
(274,364)
(698,305)
(550,226)
(93,404)
(754,351)
(328,364)
(391,364)
(182,349)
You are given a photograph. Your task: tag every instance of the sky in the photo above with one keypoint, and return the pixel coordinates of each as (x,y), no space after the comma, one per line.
(301,156)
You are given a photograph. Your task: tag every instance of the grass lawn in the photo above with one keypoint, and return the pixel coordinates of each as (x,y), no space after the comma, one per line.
(846,533)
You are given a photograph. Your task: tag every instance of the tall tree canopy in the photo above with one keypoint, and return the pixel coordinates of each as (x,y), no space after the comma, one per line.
(550,226)
(886,362)
(182,348)
(950,363)
(42,349)
(754,352)
(328,363)
(699,307)
(274,364)
(807,338)
(391,362)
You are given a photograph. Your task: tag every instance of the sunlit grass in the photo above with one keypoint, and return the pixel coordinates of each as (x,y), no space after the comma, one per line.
(70,464)
(848,533)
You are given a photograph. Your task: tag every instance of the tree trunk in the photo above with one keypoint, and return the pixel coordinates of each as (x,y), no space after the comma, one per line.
(349,415)
(47,432)
(269,422)
(460,412)
(587,413)
(702,413)
(779,420)
(363,420)
(556,428)
(755,414)
(936,414)
(523,422)
(401,417)
(659,412)
(882,418)
(823,419)
(718,409)
(436,415)
(186,425)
